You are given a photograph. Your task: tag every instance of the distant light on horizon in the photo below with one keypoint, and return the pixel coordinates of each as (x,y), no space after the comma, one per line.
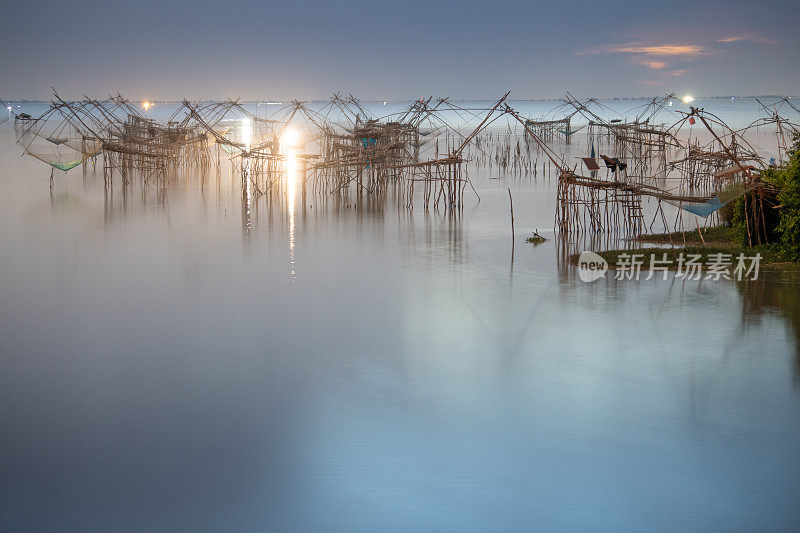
(688,99)
(147,105)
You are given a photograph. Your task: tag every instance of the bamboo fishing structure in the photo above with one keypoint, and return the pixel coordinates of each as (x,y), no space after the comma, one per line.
(341,150)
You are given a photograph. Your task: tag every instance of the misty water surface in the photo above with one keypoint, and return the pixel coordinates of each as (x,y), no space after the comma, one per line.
(180,358)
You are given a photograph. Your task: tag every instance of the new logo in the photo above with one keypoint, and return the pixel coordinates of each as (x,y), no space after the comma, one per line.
(591,266)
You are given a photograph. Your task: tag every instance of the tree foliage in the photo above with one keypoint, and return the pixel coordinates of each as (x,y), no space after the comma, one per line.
(786,179)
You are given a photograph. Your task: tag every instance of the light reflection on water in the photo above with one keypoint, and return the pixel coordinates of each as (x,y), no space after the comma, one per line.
(162,372)
(291,196)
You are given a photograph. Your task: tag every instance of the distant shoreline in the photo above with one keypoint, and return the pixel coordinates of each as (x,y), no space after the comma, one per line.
(403,101)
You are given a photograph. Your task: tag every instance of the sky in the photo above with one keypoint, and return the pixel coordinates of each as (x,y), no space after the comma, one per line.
(379,50)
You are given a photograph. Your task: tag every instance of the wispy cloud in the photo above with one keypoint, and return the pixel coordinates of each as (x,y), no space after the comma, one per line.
(746,39)
(648,49)
(674,73)
(649,63)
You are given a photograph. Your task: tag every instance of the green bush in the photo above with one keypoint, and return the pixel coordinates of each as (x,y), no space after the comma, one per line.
(786,179)
(782,212)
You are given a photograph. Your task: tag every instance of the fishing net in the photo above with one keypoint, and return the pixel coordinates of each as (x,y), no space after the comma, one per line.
(5,113)
(55,142)
(723,193)
(88,147)
(710,177)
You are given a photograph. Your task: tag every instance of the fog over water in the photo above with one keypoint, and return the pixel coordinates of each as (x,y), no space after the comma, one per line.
(185,357)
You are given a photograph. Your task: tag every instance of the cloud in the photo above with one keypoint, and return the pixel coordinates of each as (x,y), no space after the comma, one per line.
(660,50)
(674,73)
(746,39)
(648,62)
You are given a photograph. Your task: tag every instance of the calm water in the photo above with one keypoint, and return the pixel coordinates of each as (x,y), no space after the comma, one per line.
(181,359)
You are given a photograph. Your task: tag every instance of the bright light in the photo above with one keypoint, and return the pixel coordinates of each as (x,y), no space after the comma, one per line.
(687,99)
(147,105)
(290,139)
(247,132)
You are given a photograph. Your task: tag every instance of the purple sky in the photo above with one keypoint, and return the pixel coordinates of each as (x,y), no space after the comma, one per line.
(393,50)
